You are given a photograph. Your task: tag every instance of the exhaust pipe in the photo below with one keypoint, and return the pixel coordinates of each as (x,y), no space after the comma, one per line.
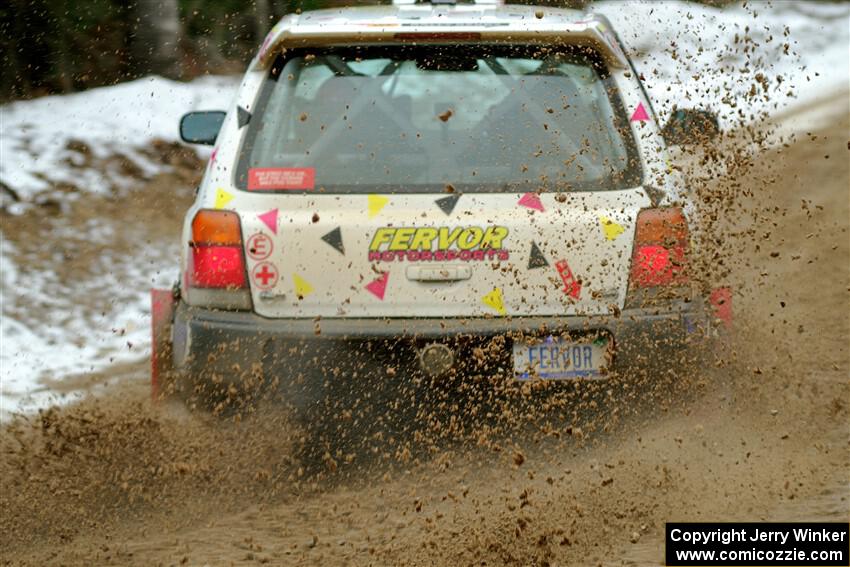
(436,359)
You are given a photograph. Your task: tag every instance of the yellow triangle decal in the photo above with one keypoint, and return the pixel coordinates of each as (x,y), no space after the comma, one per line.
(376,203)
(494,300)
(222,197)
(611,229)
(302,288)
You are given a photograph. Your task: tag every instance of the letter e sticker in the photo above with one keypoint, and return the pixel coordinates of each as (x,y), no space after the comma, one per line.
(260,246)
(274,178)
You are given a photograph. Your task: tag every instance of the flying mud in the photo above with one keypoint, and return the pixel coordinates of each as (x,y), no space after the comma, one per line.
(754,429)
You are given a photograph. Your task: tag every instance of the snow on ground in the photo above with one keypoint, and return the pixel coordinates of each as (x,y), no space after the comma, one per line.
(119,119)
(693,55)
(56,325)
(690,55)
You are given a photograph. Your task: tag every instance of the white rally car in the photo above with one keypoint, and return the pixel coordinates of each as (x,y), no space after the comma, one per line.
(431,188)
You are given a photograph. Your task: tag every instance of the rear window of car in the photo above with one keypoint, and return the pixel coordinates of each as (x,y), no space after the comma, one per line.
(418,119)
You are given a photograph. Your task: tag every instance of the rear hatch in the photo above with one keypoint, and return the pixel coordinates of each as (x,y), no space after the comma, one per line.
(437,182)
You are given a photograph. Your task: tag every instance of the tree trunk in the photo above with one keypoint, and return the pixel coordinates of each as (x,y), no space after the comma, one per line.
(262,14)
(156,38)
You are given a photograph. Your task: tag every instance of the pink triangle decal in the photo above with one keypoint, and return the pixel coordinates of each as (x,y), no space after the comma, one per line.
(270,219)
(532,201)
(379,286)
(640,114)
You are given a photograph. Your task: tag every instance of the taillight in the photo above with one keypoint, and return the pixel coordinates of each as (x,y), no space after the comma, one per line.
(216,274)
(216,244)
(217,267)
(660,256)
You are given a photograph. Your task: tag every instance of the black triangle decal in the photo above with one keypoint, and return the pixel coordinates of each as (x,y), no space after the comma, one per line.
(242,116)
(447,204)
(334,238)
(536,259)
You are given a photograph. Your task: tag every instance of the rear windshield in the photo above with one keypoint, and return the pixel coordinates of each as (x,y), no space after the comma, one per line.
(424,119)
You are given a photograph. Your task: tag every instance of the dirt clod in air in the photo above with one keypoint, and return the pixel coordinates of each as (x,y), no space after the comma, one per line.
(752,427)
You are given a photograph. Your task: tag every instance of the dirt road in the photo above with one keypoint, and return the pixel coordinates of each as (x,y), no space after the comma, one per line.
(762,433)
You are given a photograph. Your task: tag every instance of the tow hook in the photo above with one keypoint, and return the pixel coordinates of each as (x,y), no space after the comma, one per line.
(436,359)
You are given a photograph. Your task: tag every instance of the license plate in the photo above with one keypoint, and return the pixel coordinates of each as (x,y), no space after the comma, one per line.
(559,359)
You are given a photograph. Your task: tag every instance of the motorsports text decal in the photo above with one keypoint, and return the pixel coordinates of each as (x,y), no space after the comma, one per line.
(438,244)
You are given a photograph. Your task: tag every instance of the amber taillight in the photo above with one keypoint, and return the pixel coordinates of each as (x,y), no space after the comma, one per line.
(660,254)
(216,275)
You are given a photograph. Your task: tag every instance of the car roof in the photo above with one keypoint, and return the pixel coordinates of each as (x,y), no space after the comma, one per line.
(441,23)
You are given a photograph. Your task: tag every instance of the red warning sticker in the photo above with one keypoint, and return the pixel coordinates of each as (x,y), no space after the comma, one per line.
(272,178)
(572,286)
(260,246)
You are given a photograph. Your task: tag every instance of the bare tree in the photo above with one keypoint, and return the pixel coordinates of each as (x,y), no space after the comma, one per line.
(262,13)
(155,43)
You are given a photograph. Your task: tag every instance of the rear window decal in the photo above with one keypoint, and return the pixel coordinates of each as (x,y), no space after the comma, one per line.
(243,117)
(378,287)
(265,275)
(438,244)
(611,229)
(536,259)
(259,246)
(334,239)
(447,204)
(376,203)
(531,201)
(639,115)
(572,286)
(270,220)
(302,286)
(495,301)
(273,178)
(222,198)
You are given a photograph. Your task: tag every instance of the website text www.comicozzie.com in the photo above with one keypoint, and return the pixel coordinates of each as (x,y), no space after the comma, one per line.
(754,554)
(750,543)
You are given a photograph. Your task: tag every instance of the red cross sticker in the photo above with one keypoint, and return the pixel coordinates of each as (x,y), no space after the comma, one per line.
(260,246)
(265,275)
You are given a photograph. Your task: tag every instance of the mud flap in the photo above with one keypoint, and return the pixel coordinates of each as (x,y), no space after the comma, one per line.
(721,305)
(162,314)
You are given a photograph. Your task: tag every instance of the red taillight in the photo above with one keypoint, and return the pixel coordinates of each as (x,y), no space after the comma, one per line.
(661,248)
(216,260)
(217,267)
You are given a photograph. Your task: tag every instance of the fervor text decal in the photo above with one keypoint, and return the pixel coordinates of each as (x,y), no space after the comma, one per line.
(438,244)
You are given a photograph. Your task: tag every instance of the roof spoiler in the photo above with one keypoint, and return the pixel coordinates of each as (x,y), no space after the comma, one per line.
(593,30)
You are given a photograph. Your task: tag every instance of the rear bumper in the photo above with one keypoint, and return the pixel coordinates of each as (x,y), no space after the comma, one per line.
(227,344)
(245,324)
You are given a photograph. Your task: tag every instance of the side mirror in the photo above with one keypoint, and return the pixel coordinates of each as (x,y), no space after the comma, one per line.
(201,127)
(690,126)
